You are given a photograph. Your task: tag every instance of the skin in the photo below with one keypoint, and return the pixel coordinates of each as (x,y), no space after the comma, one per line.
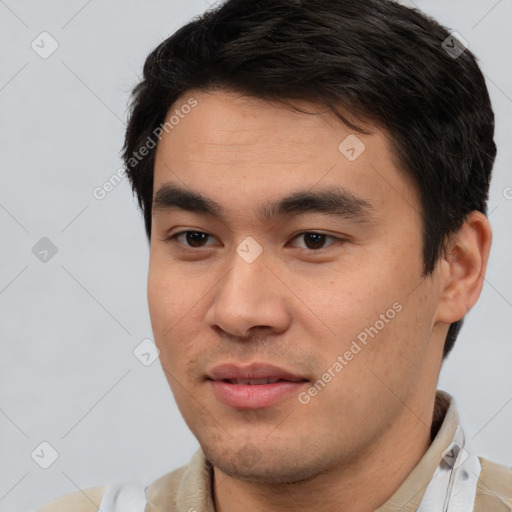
(300,308)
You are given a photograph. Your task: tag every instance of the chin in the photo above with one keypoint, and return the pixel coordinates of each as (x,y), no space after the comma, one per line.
(268,466)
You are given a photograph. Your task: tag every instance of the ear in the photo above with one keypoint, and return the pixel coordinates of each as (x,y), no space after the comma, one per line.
(462,269)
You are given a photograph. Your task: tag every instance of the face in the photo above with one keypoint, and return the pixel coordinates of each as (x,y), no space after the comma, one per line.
(295,328)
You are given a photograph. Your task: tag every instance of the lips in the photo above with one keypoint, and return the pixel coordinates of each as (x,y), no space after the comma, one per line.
(254,374)
(254,386)
(253,382)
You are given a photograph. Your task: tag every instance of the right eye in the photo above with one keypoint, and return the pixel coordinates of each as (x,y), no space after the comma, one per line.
(190,239)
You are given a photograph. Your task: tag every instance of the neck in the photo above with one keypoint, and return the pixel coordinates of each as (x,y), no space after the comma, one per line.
(356,485)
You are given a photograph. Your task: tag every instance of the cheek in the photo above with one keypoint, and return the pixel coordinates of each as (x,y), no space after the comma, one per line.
(168,302)
(377,300)
(170,292)
(347,299)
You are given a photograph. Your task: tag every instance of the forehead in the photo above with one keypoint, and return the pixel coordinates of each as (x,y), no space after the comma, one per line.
(242,150)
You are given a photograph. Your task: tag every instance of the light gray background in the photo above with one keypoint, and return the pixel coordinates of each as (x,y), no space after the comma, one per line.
(69,326)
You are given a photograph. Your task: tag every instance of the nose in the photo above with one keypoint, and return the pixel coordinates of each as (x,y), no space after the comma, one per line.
(249,298)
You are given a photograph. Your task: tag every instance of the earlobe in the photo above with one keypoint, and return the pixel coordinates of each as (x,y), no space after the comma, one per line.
(463,268)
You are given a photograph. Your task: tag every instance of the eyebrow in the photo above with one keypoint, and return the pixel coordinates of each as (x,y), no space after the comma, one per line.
(333,201)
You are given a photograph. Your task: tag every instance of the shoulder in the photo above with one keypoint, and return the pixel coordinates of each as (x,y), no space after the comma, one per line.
(165,489)
(87,500)
(494,489)
(125,497)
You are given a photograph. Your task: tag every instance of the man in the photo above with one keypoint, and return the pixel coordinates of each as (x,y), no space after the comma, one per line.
(313,176)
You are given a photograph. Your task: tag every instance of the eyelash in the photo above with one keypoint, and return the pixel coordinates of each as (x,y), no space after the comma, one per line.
(173,239)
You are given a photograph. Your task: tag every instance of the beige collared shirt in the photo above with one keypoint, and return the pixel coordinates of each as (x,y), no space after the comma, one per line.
(189,489)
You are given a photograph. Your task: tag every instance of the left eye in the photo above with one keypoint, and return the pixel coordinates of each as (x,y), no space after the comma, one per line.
(313,241)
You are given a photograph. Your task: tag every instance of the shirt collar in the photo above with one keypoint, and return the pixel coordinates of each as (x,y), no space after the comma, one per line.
(408,496)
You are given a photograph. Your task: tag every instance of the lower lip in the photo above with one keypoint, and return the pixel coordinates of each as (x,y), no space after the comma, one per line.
(255,396)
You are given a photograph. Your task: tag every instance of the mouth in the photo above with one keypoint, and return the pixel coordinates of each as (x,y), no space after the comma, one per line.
(258,382)
(255,386)
(255,373)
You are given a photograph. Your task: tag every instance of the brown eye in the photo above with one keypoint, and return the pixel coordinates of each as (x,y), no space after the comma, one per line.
(192,238)
(314,241)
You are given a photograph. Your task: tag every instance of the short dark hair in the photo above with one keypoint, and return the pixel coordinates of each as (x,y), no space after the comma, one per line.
(376,59)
